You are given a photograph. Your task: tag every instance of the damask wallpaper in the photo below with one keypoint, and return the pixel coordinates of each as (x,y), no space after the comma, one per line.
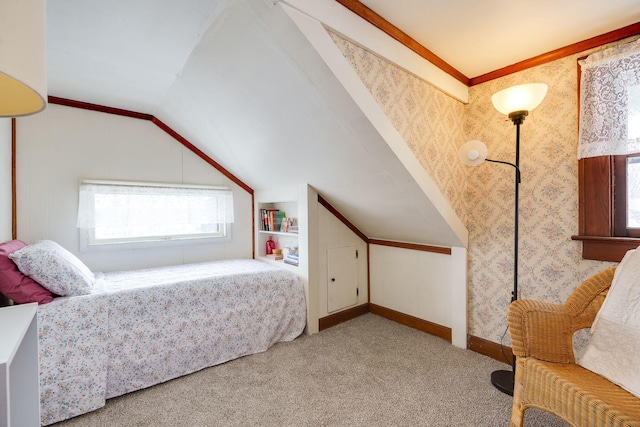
(430,121)
(435,126)
(550,263)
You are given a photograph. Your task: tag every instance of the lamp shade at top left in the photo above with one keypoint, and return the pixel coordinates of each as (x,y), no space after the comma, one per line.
(23,78)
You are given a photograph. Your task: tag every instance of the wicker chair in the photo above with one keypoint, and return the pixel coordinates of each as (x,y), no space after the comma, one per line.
(546,374)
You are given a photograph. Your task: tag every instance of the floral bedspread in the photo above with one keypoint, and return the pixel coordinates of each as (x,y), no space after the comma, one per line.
(144,327)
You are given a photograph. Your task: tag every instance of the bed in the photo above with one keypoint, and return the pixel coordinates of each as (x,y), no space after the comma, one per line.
(134,329)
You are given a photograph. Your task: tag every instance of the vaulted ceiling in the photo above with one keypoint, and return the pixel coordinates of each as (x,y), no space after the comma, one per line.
(244,82)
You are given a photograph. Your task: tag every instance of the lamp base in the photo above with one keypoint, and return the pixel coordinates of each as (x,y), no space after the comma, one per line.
(503,381)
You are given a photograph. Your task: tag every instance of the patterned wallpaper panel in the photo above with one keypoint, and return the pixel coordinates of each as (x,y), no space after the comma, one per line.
(435,126)
(550,264)
(430,121)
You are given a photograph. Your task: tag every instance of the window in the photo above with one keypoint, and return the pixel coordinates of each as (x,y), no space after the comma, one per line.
(119,212)
(626,195)
(633,193)
(609,147)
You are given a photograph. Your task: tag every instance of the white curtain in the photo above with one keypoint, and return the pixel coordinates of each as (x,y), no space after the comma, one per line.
(610,102)
(116,210)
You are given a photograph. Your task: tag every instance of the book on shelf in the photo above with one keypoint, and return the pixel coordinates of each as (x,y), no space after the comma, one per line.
(275,256)
(271,219)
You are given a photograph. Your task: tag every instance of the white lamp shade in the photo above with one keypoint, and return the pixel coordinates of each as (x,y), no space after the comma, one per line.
(23,79)
(519,98)
(473,152)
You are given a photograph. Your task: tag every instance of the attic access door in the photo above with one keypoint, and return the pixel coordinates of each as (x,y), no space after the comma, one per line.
(342,278)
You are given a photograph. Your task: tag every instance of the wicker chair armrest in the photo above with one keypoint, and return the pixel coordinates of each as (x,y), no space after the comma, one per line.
(542,330)
(545,331)
(589,296)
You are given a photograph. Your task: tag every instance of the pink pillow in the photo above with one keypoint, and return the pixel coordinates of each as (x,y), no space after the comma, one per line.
(14,284)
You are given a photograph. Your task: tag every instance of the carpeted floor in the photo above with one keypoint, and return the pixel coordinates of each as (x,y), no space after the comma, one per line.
(366,372)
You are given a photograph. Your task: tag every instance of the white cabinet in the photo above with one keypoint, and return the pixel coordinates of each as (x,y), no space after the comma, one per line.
(337,245)
(19,383)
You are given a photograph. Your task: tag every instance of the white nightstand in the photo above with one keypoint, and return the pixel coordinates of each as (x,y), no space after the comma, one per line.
(19,383)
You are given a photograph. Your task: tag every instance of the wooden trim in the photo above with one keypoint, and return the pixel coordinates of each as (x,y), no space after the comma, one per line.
(342,218)
(127,113)
(619,196)
(201,154)
(342,316)
(394,32)
(501,353)
(412,246)
(133,114)
(14,205)
(411,321)
(597,210)
(612,36)
(402,245)
(99,108)
(253,226)
(582,199)
(368,273)
(620,172)
(355,229)
(595,197)
(479,345)
(603,248)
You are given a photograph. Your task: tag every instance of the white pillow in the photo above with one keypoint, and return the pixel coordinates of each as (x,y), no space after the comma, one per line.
(55,268)
(614,349)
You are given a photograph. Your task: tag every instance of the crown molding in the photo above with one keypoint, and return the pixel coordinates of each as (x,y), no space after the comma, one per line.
(382,24)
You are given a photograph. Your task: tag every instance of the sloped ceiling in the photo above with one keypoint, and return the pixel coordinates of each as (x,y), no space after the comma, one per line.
(239,81)
(123,54)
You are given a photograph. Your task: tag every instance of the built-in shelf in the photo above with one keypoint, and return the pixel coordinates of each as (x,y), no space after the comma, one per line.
(283,240)
(278,233)
(299,202)
(278,263)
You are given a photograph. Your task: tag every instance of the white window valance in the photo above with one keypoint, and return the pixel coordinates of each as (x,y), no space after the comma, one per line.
(610,102)
(114,210)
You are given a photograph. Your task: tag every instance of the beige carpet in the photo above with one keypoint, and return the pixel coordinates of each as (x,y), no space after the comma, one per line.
(366,372)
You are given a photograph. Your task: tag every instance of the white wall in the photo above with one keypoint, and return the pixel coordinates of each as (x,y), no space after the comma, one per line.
(5,180)
(426,285)
(57,148)
(334,234)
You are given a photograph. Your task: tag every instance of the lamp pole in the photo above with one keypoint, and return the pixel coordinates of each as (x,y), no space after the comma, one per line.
(516,102)
(517,120)
(503,380)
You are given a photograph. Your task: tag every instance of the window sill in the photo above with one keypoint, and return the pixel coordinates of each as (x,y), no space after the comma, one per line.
(602,248)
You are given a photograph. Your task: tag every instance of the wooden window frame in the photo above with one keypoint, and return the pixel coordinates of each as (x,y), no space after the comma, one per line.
(597,209)
(597,186)
(621,228)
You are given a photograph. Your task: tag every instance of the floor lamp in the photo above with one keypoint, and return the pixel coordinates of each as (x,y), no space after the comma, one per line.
(514,102)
